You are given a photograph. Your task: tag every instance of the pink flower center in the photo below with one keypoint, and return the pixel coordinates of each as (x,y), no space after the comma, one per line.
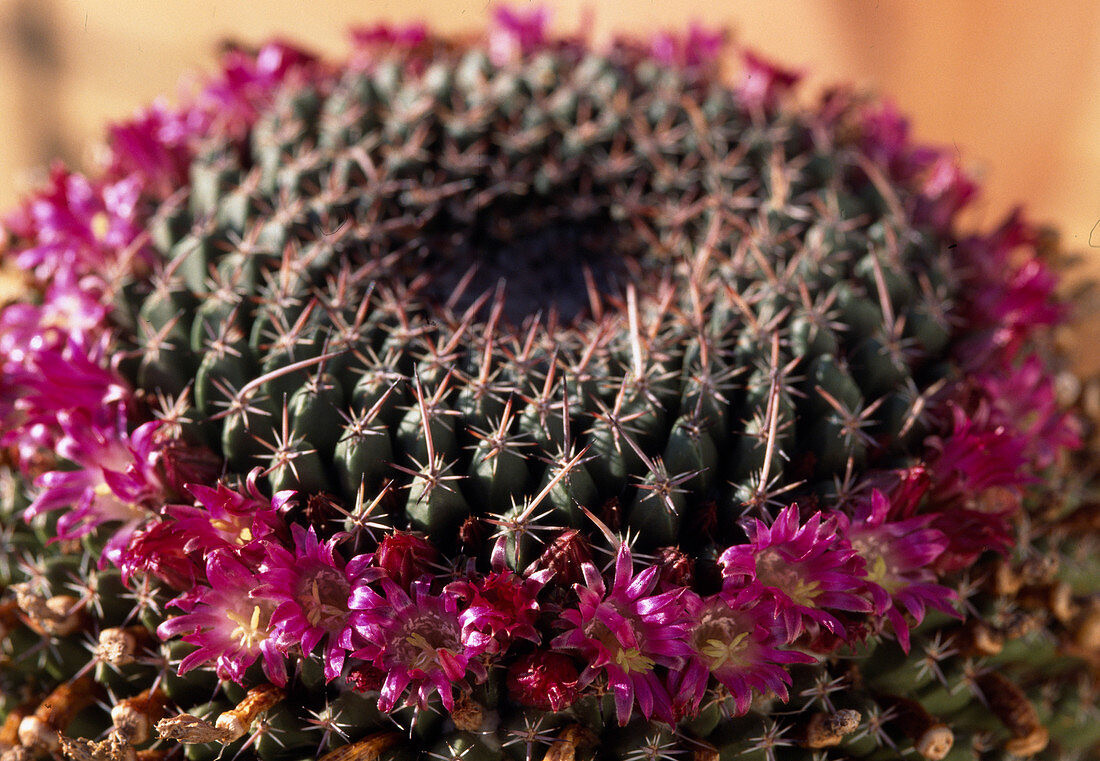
(774,570)
(629,659)
(873,550)
(251,629)
(422,638)
(235,532)
(323,594)
(722,638)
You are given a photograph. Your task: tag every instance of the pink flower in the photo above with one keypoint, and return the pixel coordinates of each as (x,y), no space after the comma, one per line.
(739,647)
(406,36)
(405,557)
(798,572)
(515,34)
(156,146)
(699,47)
(545,680)
(624,633)
(117,481)
(248,82)
(899,557)
(311,586)
(80,226)
(764,83)
(501,606)
(229,621)
(417,640)
(226,518)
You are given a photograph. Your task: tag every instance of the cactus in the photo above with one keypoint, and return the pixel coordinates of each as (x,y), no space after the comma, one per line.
(514,399)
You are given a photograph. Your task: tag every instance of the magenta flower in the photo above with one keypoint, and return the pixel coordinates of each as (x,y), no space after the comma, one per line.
(899,556)
(249,81)
(1010,298)
(980,458)
(406,36)
(1022,396)
(67,311)
(157,548)
(699,47)
(501,606)
(80,226)
(229,621)
(979,472)
(70,380)
(798,572)
(117,481)
(225,518)
(515,34)
(417,640)
(764,83)
(311,586)
(545,680)
(624,632)
(739,647)
(156,146)
(946,189)
(885,140)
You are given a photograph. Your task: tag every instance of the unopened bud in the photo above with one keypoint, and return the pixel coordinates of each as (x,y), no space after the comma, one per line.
(565,556)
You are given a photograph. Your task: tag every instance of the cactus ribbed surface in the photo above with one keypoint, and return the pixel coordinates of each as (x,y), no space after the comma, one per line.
(524,399)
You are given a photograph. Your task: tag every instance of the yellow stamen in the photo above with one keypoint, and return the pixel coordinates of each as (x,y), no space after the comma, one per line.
(241,534)
(248,631)
(100,224)
(719,652)
(631,659)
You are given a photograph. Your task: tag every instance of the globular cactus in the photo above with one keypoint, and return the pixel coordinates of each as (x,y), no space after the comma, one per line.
(525,400)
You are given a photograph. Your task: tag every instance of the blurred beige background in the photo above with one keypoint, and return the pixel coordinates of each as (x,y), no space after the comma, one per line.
(1013,85)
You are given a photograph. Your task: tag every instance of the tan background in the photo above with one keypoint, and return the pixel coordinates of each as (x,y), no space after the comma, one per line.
(1013,85)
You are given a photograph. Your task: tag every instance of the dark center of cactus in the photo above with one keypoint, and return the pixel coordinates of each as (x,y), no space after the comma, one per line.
(543,260)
